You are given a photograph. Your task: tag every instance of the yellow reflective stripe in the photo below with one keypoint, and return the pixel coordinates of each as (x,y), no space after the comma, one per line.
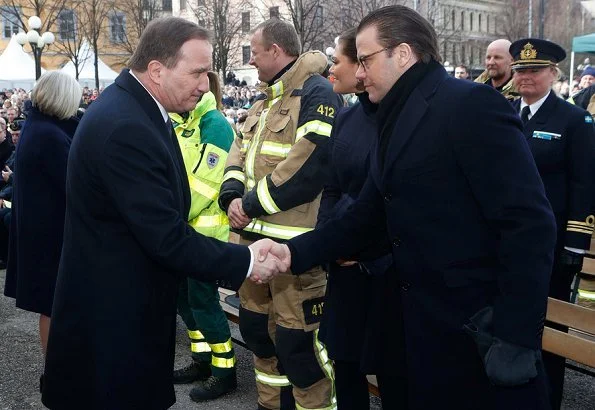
(221,347)
(277,89)
(265,198)
(571,101)
(276,231)
(223,363)
(271,379)
(586,294)
(203,189)
(209,221)
(195,334)
(333,406)
(245,144)
(317,127)
(199,347)
(275,148)
(327,367)
(585,231)
(239,175)
(251,155)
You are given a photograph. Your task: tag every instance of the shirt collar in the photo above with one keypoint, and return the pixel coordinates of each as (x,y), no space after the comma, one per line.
(161,109)
(535,106)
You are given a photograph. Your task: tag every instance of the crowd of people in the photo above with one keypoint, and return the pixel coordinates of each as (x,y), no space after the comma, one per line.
(430,213)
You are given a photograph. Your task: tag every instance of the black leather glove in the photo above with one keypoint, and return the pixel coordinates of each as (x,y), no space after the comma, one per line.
(505,364)
(570,262)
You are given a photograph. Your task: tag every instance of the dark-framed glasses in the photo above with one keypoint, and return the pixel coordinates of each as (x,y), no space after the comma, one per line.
(363,60)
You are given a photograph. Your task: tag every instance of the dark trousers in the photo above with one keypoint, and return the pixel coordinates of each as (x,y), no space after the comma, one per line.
(555,365)
(351,386)
(5,215)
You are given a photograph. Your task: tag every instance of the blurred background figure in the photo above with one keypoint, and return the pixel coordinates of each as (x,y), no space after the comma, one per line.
(461,72)
(39,196)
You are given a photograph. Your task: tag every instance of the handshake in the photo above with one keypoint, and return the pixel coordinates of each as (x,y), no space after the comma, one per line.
(270,259)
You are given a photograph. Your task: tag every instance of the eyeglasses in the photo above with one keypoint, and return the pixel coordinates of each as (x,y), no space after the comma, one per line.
(362,60)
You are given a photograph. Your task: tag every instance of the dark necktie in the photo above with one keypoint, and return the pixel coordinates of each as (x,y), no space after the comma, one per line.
(525,114)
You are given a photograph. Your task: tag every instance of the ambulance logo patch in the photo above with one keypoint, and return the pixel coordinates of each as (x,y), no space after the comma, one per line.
(212,160)
(588,119)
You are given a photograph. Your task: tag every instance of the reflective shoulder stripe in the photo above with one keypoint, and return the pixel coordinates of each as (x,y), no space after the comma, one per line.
(209,221)
(275,148)
(200,347)
(317,127)
(271,379)
(274,230)
(223,363)
(203,188)
(225,347)
(265,198)
(239,175)
(195,334)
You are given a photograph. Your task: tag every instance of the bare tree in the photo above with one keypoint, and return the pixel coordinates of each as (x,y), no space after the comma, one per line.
(94,14)
(20,11)
(221,17)
(138,14)
(514,21)
(69,38)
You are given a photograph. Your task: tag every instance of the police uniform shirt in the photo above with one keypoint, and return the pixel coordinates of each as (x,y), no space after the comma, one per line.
(533,108)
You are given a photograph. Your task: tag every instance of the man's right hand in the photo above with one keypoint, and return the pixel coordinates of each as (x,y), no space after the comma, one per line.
(266,265)
(235,212)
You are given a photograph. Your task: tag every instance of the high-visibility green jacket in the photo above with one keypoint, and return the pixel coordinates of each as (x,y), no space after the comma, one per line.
(205,137)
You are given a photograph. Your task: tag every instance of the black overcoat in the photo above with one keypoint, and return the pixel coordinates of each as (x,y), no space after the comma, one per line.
(462,202)
(126,246)
(38,205)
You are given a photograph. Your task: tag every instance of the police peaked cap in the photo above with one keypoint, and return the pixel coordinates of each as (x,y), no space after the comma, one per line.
(535,53)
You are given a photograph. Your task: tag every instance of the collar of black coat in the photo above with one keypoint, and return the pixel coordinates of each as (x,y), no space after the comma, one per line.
(368,106)
(283,71)
(391,105)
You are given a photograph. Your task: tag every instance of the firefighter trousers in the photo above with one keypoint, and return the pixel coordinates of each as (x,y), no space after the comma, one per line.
(279,323)
(210,338)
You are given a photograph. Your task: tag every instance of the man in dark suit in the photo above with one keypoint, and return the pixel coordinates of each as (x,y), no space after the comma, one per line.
(453,184)
(562,139)
(126,240)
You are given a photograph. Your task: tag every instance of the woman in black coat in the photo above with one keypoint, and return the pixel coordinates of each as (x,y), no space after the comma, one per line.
(355,314)
(39,196)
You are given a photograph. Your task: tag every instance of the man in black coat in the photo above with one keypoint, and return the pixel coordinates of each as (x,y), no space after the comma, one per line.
(562,139)
(454,184)
(126,240)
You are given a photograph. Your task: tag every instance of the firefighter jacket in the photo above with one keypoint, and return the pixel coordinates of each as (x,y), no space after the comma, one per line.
(278,162)
(507,90)
(205,137)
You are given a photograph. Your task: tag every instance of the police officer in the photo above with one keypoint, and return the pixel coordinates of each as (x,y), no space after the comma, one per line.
(561,137)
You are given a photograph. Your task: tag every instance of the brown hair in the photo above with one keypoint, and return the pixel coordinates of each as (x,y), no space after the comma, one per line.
(275,31)
(400,24)
(215,87)
(347,42)
(162,40)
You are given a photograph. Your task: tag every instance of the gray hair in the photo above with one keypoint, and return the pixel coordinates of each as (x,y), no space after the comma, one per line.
(57,94)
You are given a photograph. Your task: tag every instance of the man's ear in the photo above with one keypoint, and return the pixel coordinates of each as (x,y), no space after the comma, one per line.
(404,53)
(155,71)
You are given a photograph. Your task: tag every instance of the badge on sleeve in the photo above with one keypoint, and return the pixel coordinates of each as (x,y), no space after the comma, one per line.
(588,119)
(212,160)
(542,135)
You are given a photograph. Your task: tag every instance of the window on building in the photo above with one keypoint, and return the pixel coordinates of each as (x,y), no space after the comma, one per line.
(346,20)
(66,25)
(471,22)
(462,20)
(166,5)
(117,27)
(246,22)
(183,5)
(202,22)
(274,12)
(10,20)
(453,20)
(245,54)
(463,54)
(479,22)
(318,14)
(488,23)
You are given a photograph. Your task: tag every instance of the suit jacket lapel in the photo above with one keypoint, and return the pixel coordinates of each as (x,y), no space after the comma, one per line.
(411,115)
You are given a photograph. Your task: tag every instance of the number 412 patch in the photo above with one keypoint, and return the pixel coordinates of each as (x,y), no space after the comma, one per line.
(326,110)
(313,310)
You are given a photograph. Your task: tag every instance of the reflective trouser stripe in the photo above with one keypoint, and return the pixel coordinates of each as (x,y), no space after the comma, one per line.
(198,343)
(199,347)
(223,363)
(274,380)
(224,347)
(585,294)
(274,230)
(265,198)
(327,367)
(203,189)
(333,406)
(239,175)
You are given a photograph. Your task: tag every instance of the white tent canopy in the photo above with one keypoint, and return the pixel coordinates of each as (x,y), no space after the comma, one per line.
(86,58)
(17,68)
